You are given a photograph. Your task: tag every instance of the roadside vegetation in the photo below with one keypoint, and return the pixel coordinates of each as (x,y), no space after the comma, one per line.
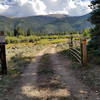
(19,56)
(36,39)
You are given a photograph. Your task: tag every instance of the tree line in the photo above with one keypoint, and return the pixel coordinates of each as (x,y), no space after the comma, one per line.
(19,31)
(94,44)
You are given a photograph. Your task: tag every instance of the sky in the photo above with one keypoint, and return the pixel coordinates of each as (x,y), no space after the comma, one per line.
(21,8)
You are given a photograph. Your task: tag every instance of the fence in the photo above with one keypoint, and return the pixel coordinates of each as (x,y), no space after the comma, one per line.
(2,54)
(78,49)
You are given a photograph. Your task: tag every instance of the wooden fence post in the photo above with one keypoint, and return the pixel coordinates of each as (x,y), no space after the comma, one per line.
(71,41)
(84,52)
(3,54)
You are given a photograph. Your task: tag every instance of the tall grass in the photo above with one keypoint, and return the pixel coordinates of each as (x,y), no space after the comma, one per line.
(35,39)
(22,39)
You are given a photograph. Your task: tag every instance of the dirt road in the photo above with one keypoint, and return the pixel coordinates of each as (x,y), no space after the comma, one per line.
(49,77)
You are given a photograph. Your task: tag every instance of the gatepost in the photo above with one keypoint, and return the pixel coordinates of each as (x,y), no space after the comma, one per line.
(3,53)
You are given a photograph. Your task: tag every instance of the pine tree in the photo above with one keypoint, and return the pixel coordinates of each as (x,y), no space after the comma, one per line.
(8,33)
(15,32)
(95,20)
(29,32)
(20,31)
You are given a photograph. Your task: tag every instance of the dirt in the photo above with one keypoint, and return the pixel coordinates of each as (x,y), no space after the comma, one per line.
(49,77)
(76,88)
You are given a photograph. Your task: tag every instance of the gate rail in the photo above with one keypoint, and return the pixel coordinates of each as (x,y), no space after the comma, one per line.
(80,56)
(76,54)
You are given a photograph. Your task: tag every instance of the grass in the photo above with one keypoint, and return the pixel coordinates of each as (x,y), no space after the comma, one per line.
(18,58)
(40,39)
(22,39)
(52,41)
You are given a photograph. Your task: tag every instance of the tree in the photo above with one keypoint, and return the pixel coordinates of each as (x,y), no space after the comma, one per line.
(8,33)
(95,19)
(20,31)
(86,32)
(15,32)
(29,32)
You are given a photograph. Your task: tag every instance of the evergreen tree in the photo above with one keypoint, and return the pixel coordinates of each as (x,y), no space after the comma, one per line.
(29,32)
(8,33)
(15,32)
(95,19)
(20,31)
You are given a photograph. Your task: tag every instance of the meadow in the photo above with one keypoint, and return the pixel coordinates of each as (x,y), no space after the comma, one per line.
(39,38)
(22,50)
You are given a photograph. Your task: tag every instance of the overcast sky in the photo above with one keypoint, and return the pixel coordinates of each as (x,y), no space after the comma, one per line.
(21,8)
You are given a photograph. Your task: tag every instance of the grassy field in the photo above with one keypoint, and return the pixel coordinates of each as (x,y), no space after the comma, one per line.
(40,39)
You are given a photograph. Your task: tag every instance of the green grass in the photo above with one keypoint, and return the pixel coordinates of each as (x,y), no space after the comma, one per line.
(22,39)
(40,39)
(52,41)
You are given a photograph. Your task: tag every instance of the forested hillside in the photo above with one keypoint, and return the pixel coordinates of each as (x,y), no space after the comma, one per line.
(48,23)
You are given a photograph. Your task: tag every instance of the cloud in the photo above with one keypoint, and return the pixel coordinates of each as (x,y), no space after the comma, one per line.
(81,7)
(42,7)
(3,8)
(24,8)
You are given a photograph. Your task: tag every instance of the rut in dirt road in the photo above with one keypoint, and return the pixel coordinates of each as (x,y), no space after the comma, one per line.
(49,82)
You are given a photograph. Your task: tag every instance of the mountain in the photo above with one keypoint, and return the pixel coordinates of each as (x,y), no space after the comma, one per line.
(46,23)
(57,15)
